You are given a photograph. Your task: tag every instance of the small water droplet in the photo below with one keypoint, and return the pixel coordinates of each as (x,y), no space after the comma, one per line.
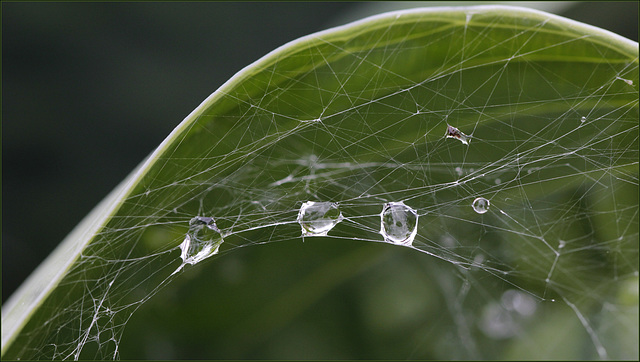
(203,239)
(453,132)
(583,119)
(561,244)
(459,170)
(398,223)
(480,205)
(318,218)
(498,181)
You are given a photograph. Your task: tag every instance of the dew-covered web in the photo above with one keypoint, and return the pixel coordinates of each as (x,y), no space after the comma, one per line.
(518,173)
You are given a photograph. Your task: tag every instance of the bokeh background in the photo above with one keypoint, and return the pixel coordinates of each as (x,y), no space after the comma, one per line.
(89,89)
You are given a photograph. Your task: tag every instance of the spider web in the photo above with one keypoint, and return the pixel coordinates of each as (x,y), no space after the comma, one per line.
(553,148)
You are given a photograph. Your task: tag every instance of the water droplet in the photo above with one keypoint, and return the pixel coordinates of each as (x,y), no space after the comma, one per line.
(398,223)
(561,244)
(453,132)
(498,181)
(202,240)
(459,171)
(317,218)
(480,205)
(583,119)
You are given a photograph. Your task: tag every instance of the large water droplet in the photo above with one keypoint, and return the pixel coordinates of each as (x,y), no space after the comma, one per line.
(480,205)
(317,218)
(202,240)
(398,223)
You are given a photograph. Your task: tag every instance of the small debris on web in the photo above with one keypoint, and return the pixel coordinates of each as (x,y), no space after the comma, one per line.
(453,132)
(628,81)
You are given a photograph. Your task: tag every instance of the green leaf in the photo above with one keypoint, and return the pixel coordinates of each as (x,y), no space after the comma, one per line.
(357,115)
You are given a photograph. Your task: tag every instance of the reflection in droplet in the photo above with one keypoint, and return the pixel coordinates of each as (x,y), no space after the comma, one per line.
(583,119)
(480,205)
(318,218)
(398,223)
(202,240)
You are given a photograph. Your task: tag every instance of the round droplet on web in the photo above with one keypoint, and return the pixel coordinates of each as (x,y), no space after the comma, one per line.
(202,240)
(480,205)
(318,218)
(583,119)
(398,223)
